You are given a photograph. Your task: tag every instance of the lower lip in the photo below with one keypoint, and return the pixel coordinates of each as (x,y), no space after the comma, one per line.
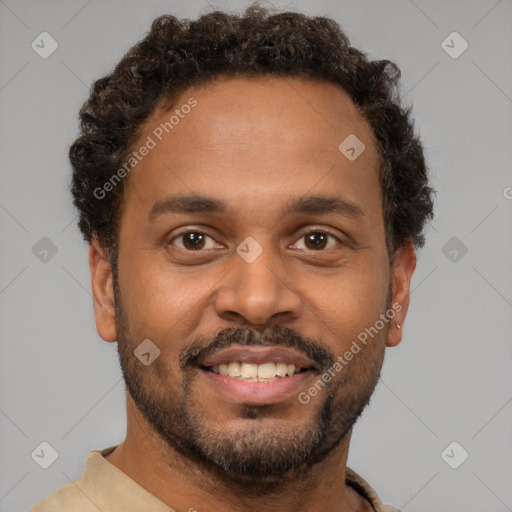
(255,392)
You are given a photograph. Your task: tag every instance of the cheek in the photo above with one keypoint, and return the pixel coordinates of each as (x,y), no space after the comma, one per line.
(162,302)
(350,301)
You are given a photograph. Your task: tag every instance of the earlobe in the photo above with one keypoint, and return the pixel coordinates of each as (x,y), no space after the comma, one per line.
(102,291)
(403,269)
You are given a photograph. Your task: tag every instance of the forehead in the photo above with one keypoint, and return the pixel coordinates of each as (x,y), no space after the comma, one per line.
(254,136)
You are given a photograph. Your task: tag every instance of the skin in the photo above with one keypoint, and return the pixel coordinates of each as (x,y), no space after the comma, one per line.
(256,144)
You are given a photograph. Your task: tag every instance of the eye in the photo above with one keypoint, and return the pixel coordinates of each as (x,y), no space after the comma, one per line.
(314,240)
(318,240)
(193,241)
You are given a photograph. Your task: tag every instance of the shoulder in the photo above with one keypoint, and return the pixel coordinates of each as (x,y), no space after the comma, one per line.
(68,497)
(83,494)
(367,491)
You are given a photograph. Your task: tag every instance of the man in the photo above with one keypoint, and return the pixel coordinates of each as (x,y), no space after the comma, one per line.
(253,194)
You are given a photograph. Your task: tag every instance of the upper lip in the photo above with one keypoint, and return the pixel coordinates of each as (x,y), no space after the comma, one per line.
(259,355)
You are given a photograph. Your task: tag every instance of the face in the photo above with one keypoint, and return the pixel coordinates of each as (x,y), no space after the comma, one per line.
(252,253)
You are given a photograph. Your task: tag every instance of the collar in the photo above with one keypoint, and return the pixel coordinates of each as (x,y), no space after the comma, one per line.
(99,472)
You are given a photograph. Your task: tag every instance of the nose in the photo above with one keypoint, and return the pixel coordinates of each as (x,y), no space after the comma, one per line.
(256,292)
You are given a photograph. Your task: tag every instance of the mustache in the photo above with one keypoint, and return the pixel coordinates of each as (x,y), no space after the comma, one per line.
(275,335)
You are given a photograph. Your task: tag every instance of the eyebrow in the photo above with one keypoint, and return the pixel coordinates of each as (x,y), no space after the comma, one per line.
(202,204)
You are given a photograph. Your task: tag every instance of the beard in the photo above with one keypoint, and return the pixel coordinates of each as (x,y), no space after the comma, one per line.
(264,449)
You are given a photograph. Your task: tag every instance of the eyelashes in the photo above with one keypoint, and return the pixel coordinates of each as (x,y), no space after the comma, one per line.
(319,239)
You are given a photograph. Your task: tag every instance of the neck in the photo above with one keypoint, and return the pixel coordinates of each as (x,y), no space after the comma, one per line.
(183,484)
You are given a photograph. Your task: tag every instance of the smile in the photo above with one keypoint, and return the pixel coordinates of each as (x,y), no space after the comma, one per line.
(255,372)
(258,375)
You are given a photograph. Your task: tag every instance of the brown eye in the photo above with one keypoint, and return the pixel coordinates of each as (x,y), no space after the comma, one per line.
(316,240)
(191,241)
(319,240)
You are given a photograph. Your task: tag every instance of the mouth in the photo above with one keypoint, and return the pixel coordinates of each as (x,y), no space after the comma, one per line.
(258,375)
(251,372)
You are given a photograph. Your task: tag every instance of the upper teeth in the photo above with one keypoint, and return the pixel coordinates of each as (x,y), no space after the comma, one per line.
(254,371)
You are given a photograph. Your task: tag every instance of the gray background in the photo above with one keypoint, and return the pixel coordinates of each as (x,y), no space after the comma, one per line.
(449,380)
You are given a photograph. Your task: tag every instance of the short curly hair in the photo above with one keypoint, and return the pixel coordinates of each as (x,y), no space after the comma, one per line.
(179,53)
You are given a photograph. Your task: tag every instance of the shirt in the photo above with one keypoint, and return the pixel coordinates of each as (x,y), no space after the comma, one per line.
(104,487)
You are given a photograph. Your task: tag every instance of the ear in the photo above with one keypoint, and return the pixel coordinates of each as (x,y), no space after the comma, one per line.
(102,291)
(403,268)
